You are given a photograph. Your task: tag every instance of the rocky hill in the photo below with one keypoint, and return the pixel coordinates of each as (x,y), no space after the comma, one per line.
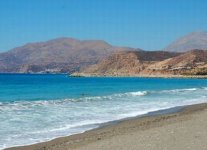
(187,63)
(144,63)
(195,40)
(62,55)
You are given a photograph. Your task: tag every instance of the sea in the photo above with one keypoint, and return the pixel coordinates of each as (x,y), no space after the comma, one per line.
(37,107)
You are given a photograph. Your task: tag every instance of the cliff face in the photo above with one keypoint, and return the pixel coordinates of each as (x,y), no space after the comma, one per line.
(64,55)
(150,64)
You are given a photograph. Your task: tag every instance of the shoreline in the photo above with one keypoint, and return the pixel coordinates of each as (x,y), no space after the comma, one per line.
(82,75)
(121,127)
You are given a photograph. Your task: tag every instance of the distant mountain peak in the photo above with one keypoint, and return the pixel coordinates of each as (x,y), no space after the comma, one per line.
(63,54)
(194,40)
(198,33)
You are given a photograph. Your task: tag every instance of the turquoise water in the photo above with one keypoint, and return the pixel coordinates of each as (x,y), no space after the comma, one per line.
(36,108)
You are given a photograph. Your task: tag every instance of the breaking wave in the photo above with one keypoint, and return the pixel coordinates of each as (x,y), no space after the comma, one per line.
(24,103)
(50,119)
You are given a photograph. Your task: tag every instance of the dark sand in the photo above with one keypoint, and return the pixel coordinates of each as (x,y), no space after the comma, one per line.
(183,130)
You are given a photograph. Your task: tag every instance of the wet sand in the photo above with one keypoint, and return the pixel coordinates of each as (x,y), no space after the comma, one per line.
(182,130)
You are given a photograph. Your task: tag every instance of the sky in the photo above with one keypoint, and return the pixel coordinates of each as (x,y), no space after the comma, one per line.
(146,24)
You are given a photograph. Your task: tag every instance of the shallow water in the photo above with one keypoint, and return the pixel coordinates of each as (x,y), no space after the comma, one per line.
(36,108)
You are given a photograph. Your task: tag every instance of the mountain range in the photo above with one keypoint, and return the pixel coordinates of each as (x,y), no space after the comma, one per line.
(68,55)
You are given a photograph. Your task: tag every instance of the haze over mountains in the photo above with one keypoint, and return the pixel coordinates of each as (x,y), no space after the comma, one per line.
(195,40)
(68,55)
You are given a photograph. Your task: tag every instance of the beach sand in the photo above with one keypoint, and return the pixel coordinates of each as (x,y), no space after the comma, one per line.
(183,130)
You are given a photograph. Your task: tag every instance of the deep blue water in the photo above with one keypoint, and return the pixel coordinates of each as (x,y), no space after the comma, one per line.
(50,87)
(35,108)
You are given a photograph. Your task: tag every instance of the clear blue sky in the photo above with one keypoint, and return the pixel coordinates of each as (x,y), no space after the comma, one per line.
(147,24)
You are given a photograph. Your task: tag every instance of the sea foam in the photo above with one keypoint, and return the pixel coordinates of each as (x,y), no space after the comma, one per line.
(44,120)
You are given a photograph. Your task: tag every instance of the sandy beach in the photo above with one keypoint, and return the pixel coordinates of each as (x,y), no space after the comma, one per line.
(183,130)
